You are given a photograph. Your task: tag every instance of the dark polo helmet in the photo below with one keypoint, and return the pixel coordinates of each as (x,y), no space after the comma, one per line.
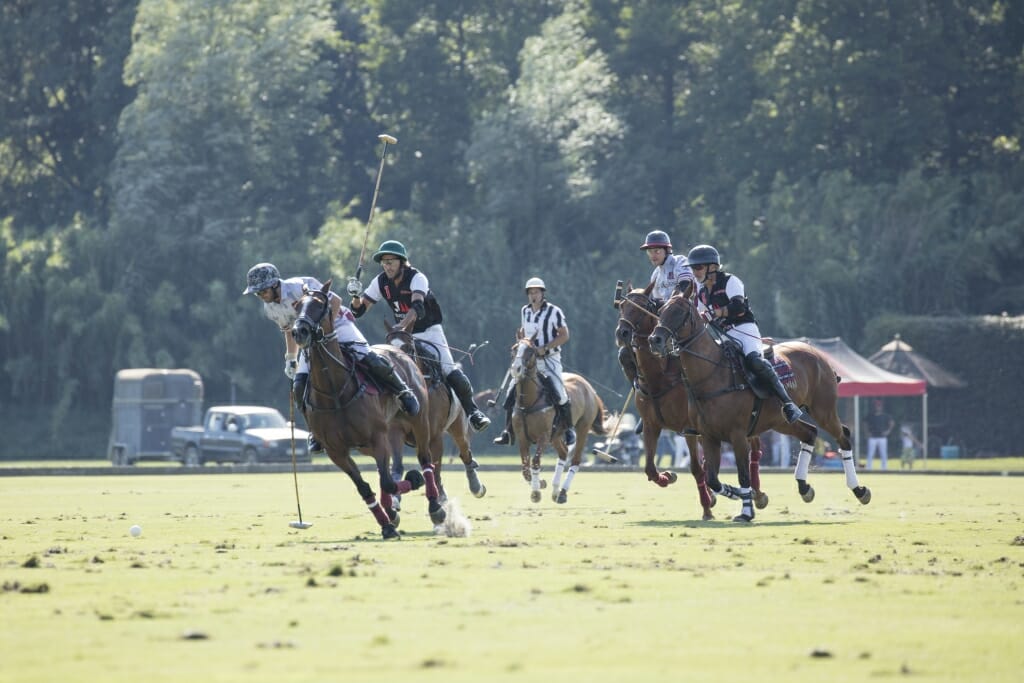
(391,248)
(655,239)
(702,255)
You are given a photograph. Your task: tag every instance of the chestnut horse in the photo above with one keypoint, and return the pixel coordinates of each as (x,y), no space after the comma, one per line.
(533,417)
(345,415)
(661,399)
(726,407)
(445,412)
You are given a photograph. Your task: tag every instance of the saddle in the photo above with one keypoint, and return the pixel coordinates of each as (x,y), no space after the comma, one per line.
(738,362)
(429,360)
(366,383)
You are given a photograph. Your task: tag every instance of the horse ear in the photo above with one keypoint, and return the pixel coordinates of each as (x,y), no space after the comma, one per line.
(629,285)
(688,289)
(327,285)
(648,289)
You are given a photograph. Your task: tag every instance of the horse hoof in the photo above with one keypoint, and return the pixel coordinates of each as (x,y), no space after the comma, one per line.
(554,495)
(743,518)
(563,497)
(808,495)
(672,477)
(535,496)
(414,477)
(388,531)
(437,513)
(481,491)
(863,494)
(760,500)
(714,499)
(707,516)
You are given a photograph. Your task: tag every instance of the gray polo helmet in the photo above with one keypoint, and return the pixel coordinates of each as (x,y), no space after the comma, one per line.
(703,254)
(261,276)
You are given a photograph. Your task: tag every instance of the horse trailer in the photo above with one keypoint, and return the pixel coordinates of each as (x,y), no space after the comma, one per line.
(148,403)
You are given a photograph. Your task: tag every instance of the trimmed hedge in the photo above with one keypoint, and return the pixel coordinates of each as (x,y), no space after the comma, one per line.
(986,352)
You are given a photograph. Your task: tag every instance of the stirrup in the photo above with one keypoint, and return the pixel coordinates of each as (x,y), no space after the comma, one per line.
(479,421)
(791,411)
(569,437)
(410,403)
(314,447)
(504,439)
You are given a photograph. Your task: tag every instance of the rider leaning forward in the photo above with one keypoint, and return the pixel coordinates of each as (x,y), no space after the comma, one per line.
(417,312)
(721,295)
(279,297)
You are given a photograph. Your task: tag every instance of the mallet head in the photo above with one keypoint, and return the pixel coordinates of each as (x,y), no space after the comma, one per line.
(387,139)
(300,525)
(604,455)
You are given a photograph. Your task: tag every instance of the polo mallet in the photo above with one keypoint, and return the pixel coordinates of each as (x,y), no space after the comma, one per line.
(295,472)
(491,402)
(387,140)
(605,455)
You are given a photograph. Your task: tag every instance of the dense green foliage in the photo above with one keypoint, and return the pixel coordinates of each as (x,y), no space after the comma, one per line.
(850,160)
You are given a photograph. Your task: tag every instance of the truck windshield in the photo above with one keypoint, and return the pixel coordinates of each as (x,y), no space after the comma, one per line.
(265,420)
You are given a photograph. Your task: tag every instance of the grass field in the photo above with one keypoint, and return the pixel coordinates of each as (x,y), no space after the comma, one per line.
(623,583)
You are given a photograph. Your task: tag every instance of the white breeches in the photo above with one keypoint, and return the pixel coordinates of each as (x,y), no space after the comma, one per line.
(551,366)
(749,337)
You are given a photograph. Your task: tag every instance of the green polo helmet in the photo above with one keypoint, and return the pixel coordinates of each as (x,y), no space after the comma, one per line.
(393,248)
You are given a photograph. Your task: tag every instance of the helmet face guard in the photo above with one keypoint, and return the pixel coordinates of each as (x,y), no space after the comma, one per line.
(261,276)
(657,239)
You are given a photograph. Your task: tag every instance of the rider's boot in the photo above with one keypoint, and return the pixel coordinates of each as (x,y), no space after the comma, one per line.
(459,383)
(313,446)
(565,416)
(763,369)
(382,371)
(507,436)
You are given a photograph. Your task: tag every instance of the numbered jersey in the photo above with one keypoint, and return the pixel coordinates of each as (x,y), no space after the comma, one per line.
(399,296)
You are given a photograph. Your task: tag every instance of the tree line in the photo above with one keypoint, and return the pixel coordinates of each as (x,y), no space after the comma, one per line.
(849,160)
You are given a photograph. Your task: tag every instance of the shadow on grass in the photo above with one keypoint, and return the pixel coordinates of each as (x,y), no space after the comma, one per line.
(728,523)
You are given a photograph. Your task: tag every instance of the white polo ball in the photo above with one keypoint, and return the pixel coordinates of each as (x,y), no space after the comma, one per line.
(136,530)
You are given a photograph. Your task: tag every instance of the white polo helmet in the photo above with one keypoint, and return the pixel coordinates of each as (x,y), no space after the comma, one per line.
(534,282)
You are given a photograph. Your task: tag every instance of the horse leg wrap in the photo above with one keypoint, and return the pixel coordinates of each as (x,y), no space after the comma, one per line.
(431,482)
(573,469)
(850,469)
(747,509)
(378,512)
(535,478)
(557,479)
(803,462)
(755,468)
(404,486)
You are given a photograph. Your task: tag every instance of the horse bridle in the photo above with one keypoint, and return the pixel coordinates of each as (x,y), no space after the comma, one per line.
(649,308)
(318,332)
(674,345)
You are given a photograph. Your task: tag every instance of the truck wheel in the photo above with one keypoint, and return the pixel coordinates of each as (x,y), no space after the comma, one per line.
(191,457)
(250,456)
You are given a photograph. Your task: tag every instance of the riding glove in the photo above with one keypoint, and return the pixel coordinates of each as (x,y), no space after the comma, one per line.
(354,288)
(291,364)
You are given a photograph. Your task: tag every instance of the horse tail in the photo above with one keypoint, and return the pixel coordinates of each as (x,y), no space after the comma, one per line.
(602,423)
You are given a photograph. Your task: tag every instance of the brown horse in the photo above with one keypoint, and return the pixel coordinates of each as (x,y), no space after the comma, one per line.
(726,407)
(533,418)
(661,399)
(345,415)
(445,412)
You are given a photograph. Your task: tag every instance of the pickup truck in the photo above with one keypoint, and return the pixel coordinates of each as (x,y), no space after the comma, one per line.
(243,434)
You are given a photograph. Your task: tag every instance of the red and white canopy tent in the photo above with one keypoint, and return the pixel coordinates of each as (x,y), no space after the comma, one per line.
(861,377)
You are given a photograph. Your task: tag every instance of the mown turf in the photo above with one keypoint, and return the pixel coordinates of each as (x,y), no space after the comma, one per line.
(623,583)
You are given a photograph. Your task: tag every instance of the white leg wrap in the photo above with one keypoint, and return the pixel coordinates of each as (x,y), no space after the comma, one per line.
(573,469)
(557,479)
(803,462)
(850,468)
(535,479)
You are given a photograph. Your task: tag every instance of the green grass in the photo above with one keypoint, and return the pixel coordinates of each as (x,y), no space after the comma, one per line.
(622,583)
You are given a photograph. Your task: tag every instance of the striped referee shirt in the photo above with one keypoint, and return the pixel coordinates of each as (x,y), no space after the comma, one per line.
(543,324)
